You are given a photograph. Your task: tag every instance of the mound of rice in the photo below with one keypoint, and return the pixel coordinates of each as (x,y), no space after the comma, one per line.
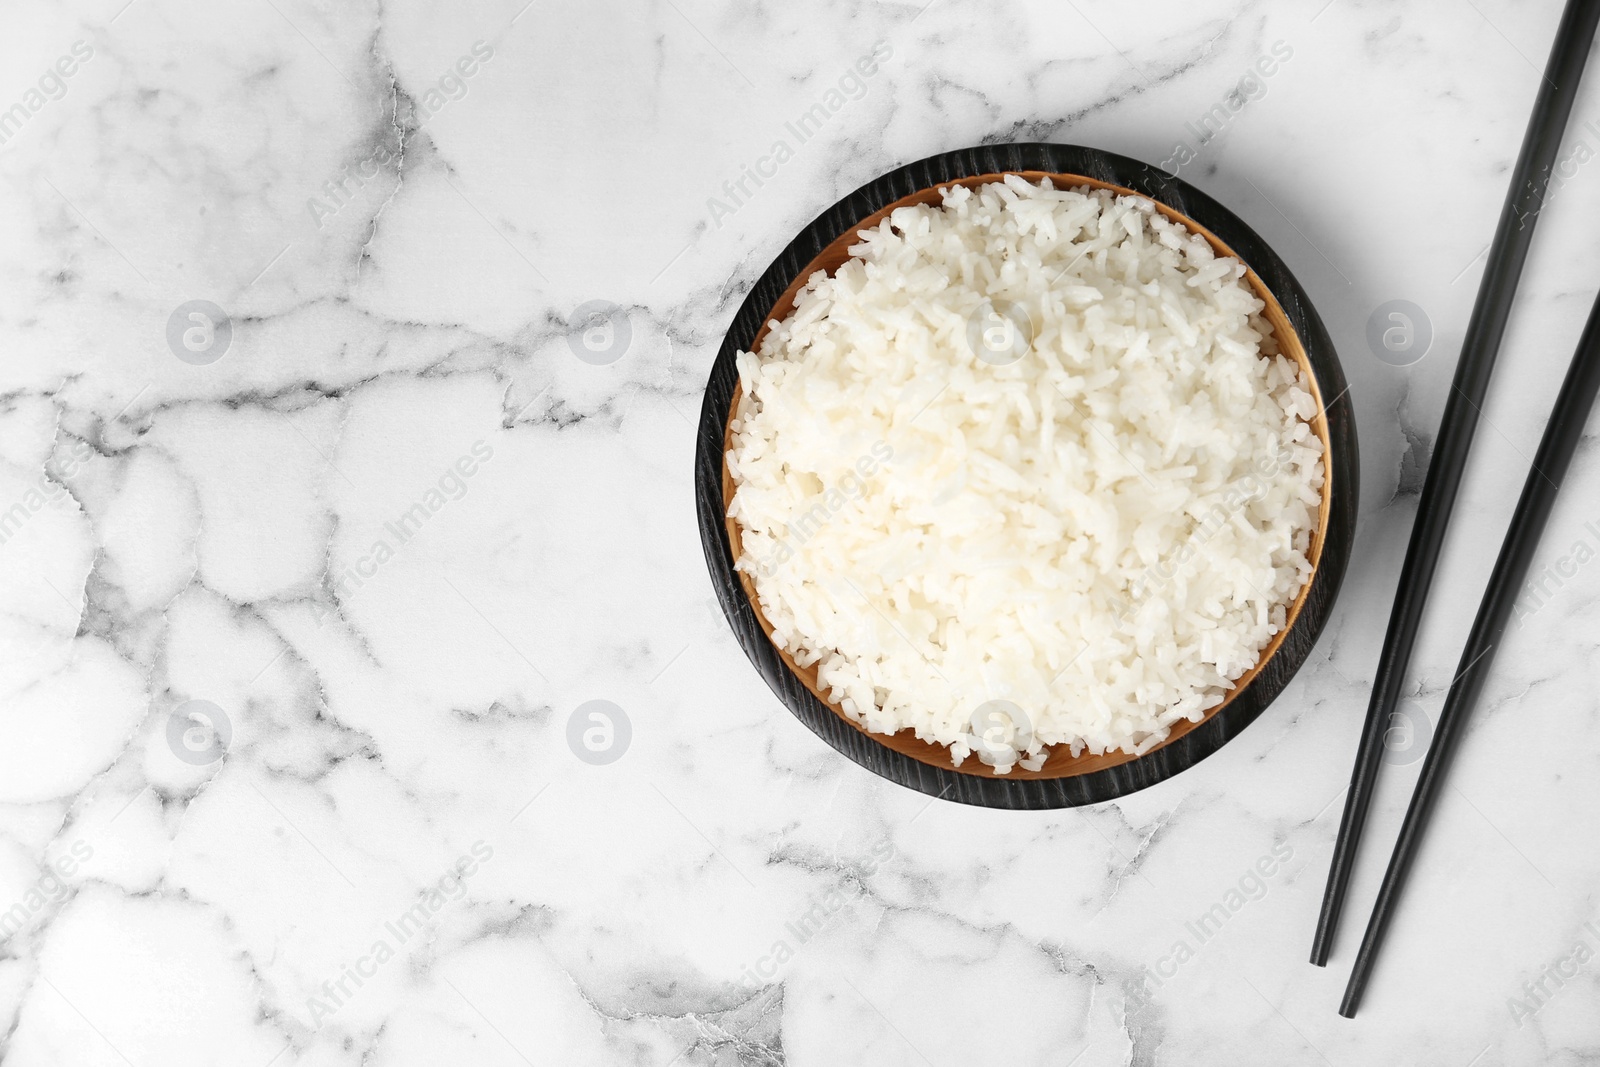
(1028,470)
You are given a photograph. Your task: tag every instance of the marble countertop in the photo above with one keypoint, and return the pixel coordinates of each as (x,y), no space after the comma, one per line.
(350,359)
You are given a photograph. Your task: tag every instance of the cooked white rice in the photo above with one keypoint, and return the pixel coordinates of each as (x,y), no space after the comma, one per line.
(1076,541)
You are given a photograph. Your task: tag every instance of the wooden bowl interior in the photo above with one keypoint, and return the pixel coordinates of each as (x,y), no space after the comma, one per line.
(1061,763)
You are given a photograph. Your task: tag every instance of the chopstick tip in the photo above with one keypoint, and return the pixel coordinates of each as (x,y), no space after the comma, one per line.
(1352,996)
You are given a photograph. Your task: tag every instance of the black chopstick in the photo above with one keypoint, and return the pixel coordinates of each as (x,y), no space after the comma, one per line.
(1485,329)
(1560,441)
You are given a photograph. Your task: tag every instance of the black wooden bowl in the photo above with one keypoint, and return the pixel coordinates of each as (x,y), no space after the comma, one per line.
(1065,780)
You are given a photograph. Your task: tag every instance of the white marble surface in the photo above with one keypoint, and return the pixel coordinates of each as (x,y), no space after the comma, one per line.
(209,532)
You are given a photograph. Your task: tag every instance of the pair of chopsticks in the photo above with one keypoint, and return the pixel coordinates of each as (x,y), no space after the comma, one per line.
(1485,329)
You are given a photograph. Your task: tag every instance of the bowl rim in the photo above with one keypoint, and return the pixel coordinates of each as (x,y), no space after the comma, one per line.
(1061,764)
(1300,334)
